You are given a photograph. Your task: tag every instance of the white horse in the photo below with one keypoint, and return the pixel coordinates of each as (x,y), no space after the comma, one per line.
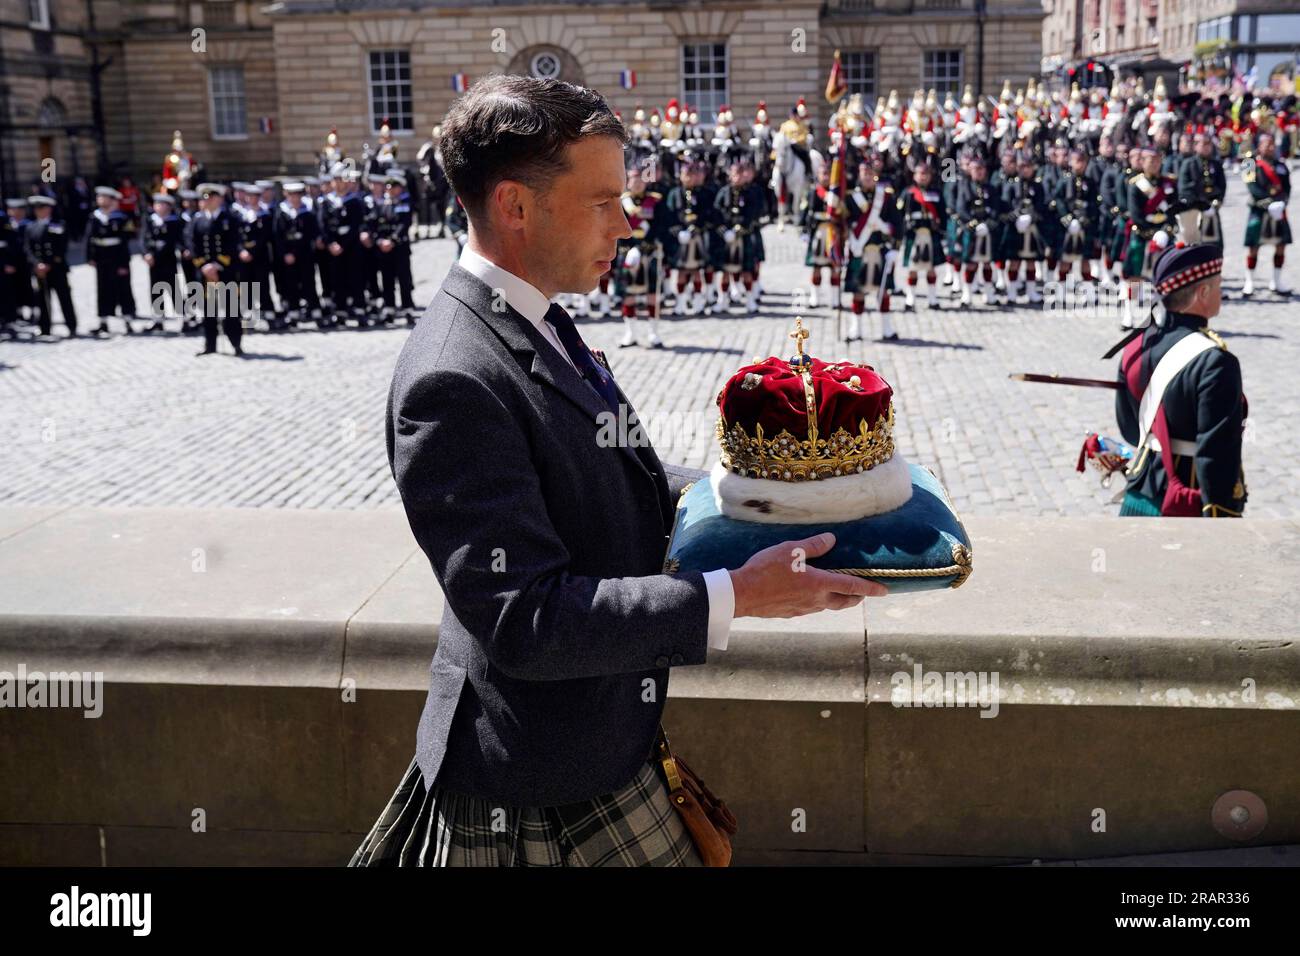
(790,178)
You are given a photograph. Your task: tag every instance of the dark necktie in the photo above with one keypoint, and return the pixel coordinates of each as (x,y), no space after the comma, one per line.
(592,372)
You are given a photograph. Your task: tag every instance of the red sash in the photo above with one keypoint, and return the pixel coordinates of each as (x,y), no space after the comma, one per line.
(930,209)
(1275,181)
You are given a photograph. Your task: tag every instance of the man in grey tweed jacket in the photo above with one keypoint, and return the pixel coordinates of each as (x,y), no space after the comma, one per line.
(554,650)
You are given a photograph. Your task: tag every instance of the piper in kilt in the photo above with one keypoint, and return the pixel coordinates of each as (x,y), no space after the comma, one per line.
(979,212)
(1201,188)
(1024,203)
(925,217)
(1075,206)
(690,205)
(638,263)
(1151,196)
(739,209)
(874,226)
(1269,182)
(823,227)
(1113,196)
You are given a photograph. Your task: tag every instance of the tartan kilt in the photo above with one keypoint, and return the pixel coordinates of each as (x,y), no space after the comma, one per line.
(1135,505)
(1261,230)
(923,253)
(634,826)
(643,279)
(1136,254)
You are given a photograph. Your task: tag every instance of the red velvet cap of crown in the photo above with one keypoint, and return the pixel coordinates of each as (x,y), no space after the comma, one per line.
(772,394)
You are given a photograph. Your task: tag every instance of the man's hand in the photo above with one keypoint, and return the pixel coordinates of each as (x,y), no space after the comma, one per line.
(778,582)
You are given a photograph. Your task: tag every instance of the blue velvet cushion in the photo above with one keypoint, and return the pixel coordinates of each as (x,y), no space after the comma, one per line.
(915,547)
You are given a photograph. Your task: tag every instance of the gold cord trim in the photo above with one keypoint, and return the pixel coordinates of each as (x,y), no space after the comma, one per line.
(962,568)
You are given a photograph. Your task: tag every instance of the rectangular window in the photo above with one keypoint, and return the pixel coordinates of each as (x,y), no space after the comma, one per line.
(941,71)
(226,97)
(218,13)
(704,78)
(390,90)
(860,73)
(38,14)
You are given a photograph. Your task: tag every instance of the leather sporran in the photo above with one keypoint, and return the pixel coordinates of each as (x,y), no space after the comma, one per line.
(707,818)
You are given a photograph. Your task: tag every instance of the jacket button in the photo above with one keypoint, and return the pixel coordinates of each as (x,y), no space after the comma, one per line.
(661,661)
(677,659)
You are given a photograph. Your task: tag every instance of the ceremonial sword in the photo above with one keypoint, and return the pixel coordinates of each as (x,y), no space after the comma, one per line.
(1055,379)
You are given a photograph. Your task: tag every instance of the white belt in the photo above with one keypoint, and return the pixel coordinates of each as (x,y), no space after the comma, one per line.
(1177,445)
(108,242)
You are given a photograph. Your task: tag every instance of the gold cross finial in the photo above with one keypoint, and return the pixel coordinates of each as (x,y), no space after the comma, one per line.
(799,334)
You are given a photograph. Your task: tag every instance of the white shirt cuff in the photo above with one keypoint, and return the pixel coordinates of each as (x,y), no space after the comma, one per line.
(722,607)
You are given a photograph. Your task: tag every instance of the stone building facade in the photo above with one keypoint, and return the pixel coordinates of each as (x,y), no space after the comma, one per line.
(255,87)
(1259,34)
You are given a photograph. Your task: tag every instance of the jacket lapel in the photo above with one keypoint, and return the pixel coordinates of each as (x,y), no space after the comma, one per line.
(543,361)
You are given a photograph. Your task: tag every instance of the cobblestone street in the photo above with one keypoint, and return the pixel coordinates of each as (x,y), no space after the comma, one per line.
(299,422)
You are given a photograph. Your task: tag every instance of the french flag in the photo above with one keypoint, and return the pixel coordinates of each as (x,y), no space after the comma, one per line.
(459,82)
(265,124)
(627,78)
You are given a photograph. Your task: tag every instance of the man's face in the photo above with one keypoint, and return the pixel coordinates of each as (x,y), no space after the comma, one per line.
(923,176)
(1121,154)
(1204,147)
(43,211)
(105,203)
(294,199)
(866,178)
(162,209)
(1266,147)
(1009,162)
(1079,164)
(1151,163)
(569,234)
(1106,148)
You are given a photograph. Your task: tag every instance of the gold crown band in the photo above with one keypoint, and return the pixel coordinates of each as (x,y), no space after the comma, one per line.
(787,458)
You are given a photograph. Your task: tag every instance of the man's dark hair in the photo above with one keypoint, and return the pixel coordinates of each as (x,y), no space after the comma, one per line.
(518,127)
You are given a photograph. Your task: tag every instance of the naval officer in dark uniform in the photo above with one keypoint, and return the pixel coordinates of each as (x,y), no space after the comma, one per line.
(45,245)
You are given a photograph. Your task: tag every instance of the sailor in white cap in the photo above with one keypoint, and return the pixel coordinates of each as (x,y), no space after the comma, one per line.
(108,251)
(295,232)
(160,239)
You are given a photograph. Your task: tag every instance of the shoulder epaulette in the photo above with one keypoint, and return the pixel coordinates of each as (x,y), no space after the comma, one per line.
(1215,338)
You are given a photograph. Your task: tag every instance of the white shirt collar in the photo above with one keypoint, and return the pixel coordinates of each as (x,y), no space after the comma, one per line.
(521,295)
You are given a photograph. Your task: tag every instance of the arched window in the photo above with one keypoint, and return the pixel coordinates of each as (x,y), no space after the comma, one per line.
(51,113)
